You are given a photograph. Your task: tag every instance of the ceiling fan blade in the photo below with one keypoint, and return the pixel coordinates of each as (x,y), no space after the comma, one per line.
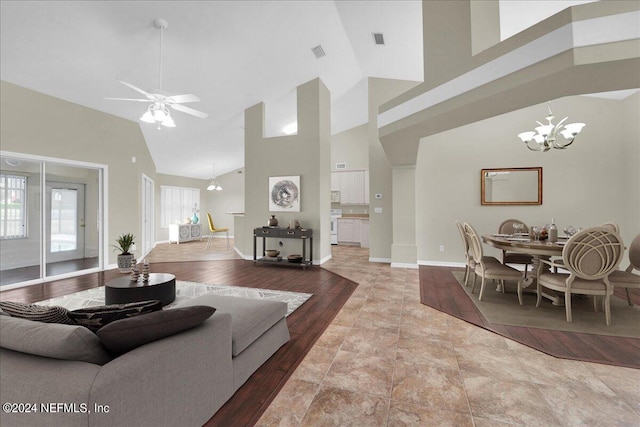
(137,89)
(182,99)
(188,110)
(130,99)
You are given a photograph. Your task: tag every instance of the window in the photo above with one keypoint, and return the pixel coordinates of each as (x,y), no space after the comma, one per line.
(177,204)
(13,206)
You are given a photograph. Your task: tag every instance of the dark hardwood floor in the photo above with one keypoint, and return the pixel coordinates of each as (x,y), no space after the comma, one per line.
(330,292)
(440,289)
(23,274)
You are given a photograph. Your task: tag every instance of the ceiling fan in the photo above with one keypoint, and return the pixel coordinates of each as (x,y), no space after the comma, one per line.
(158,111)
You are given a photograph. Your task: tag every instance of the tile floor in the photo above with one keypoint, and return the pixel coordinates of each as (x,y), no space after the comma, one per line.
(387,360)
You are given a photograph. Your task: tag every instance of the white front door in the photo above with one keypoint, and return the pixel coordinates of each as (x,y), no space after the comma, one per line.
(65,222)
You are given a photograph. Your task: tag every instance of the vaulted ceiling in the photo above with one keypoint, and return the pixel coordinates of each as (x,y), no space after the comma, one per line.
(231,54)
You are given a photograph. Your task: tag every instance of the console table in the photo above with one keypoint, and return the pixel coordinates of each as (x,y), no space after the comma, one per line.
(304,234)
(184,232)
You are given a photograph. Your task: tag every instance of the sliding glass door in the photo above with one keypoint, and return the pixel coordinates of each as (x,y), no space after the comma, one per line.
(51,226)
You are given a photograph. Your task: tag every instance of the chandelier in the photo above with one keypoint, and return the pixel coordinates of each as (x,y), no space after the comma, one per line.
(214,184)
(546,137)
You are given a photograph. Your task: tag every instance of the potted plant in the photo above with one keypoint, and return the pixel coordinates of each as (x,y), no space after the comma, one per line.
(125,259)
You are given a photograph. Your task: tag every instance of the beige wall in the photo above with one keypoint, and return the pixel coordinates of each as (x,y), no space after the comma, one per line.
(306,154)
(351,147)
(593,181)
(380,224)
(230,199)
(37,124)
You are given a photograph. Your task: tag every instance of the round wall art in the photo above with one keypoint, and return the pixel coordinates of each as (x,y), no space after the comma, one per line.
(284,193)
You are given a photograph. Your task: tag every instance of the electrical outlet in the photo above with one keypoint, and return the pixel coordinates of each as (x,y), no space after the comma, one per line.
(377,210)
(441,248)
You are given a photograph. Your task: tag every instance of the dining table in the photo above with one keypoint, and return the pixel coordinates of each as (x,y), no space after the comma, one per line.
(538,249)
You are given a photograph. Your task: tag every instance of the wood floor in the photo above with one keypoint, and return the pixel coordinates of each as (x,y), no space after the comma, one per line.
(330,292)
(440,289)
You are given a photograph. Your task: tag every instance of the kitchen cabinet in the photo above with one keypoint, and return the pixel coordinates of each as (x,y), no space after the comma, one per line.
(345,230)
(353,186)
(335,181)
(180,233)
(353,231)
(364,233)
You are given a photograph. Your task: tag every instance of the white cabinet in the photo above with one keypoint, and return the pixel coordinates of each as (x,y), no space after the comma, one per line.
(184,232)
(364,233)
(353,231)
(353,186)
(335,181)
(345,230)
(366,187)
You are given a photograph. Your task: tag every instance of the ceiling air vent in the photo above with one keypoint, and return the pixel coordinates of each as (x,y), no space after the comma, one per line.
(378,38)
(318,51)
(341,165)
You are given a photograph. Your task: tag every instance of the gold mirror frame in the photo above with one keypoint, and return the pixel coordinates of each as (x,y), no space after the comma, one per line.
(486,188)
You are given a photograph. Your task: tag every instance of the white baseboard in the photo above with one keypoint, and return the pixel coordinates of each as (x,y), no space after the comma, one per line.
(442,263)
(382,260)
(403,265)
(323,260)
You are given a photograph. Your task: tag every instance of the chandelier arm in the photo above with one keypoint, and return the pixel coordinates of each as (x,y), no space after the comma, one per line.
(540,147)
(563,146)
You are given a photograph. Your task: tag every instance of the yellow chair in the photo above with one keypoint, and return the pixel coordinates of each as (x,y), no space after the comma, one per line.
(213,229)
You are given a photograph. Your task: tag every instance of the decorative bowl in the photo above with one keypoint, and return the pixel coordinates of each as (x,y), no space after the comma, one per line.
(295,258)
(272,252)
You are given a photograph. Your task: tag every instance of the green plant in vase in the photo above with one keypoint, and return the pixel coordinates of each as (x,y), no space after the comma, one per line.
(124,243)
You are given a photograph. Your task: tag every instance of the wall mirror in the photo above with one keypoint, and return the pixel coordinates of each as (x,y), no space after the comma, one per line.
(511,186)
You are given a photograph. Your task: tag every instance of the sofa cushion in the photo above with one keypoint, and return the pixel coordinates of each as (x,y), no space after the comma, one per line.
(250,318)
(96,317)
(54,340)
(36,312)
(126,334)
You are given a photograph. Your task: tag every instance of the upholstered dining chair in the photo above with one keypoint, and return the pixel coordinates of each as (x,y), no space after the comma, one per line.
(470,264)
(213,229)
(506,227)
(628,279)
(590,256)
(611,226)
(489,270)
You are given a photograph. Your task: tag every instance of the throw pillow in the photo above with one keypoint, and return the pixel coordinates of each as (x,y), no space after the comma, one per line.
(95,318)
(39,313)
(126,334)
(66,342)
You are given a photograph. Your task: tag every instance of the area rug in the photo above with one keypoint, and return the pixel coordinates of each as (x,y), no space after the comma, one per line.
(185,291)
(504,309)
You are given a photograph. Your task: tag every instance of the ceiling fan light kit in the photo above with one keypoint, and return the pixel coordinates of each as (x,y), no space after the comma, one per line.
(158,111)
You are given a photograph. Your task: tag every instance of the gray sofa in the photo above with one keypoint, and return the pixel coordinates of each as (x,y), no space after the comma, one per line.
(181,380)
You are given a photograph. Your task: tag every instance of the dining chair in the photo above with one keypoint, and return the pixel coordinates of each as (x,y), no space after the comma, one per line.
(611,226)
(506,227)
(590,256)
(627,278)
(213,229)
(470,264)
(487,269)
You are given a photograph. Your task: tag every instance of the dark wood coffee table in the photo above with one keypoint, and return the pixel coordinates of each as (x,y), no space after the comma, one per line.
(161,286)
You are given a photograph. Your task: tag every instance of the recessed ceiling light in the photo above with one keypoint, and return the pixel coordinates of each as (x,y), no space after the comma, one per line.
(378,38)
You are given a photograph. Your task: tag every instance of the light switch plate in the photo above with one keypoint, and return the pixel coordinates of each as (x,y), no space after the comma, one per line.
(378,210)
